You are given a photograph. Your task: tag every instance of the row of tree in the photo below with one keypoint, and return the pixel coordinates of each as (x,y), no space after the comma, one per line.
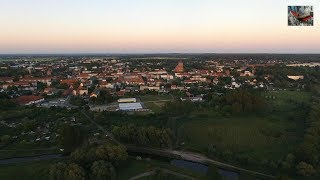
(242,101)
(308,152)
(147,136)
(95,152)
(238,101)
(91,161)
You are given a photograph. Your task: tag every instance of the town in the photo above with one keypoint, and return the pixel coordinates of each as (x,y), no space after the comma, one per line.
(175,105)
(57,82)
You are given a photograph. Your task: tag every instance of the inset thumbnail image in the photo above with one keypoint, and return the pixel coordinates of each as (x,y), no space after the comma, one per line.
(300,15)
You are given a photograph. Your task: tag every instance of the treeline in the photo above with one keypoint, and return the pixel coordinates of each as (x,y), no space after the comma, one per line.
(305,160)
(147,136)
(91,161)
(13,72)
(94,152)
(308,152)
(240,101)
(77,101)
(178,108)
(232,102)
(7,104)
(280,72)
(103,98)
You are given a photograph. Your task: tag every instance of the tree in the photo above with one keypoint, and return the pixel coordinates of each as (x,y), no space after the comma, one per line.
(6,104)
(77,101)
(102,170)
(108,152)
(5,139)
(74,172)
(111,153)
(70,138)
(41,86)
(56,171)
(305,169)
(81,155)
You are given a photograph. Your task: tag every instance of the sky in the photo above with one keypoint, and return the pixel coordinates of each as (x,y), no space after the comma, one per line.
(154,26)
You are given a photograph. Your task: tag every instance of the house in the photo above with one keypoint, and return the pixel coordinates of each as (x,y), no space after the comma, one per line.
(95,93)
(246,74)
(295,77)
(105,84)
(6,79)
(155,88)
(49,91)
(127,100)
(34,80)
(69,82)
(29,100)
(20,85)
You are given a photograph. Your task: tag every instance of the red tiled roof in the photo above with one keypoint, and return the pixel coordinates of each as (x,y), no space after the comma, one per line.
(6,79)
(26,99)
(19,83)
(179,68)
(35,79)
(68,81)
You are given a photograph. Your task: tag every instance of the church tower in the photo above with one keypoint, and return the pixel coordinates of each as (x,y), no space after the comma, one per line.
(179,68)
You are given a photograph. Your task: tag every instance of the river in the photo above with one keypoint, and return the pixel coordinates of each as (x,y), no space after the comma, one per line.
(29,159)
(201,168)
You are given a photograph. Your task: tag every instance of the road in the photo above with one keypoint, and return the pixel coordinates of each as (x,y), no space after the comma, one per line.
(167,100)
(29,159)
(166,171)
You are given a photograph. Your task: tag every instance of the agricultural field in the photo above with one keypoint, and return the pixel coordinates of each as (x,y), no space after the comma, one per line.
(155,102)
(268,136)
(287,100)
(146,98)
(255,136)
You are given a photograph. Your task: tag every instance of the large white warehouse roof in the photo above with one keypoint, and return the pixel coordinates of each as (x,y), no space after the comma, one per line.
(129,106)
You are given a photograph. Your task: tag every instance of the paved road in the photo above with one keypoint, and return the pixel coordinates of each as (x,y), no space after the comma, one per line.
(145,174)
(166,171)
(167,100)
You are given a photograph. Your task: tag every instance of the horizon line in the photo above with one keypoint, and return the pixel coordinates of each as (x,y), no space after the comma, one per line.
(156,53)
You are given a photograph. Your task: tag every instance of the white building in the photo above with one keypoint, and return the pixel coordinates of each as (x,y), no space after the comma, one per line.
(130,106)
(127,100)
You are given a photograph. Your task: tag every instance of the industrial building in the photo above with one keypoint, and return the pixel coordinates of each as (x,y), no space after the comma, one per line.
(130,106)
(127,100)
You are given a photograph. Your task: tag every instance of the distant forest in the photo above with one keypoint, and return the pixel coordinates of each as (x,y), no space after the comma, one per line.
(190,56)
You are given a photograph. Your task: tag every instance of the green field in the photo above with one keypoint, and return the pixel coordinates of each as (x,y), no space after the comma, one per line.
(25,171)
(264,137)
(255,136)
(155,102)
(287,100)
(155,98)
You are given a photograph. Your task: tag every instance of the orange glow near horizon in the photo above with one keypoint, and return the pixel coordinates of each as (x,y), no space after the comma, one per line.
(203,28)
